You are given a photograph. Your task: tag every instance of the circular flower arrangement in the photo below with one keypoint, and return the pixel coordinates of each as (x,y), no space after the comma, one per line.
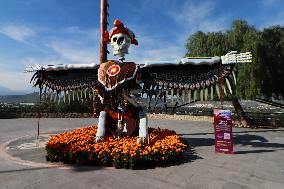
(78,146)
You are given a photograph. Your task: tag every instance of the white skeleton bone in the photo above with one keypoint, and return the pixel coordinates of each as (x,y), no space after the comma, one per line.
(33,68)
(233,58)
(230,58)
(37,67)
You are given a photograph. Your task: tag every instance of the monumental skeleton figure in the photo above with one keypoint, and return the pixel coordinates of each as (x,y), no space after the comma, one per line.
(121,85)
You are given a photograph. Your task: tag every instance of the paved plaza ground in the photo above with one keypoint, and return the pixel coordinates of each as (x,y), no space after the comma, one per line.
(258,161)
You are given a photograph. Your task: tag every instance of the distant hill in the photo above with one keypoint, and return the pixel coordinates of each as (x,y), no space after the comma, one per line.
(5,91)
(28,98)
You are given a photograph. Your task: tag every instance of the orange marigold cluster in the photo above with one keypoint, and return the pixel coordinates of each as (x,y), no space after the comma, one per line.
(79,146)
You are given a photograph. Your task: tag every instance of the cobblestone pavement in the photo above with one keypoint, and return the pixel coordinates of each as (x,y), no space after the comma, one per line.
(257,163)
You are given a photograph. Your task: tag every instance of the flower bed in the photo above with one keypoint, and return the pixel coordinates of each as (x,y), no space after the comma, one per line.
(78,146)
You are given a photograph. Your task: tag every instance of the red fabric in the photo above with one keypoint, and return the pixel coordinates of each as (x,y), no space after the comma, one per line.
(106,37)
(134,41)
(119,28)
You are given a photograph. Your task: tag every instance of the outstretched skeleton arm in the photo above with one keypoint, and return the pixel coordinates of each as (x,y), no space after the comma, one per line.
(231,57)
(58,67)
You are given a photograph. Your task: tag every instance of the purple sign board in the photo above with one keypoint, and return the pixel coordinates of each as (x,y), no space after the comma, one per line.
(223,131)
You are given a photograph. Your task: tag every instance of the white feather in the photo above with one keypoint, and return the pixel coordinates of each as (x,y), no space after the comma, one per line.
(234,76)
(183,95)
(205,94)
(172,95)
(217,90)
(77,94)
(64,96)
(194,95)
(224,89)
(229,86)
(211,92)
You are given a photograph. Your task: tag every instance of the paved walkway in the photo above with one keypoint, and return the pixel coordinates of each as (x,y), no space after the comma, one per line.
(257,163)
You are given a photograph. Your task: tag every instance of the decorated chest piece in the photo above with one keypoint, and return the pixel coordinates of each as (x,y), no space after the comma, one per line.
(113,70)
(120,38)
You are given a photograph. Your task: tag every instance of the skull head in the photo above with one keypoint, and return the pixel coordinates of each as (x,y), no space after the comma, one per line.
(120,38)
(120,43)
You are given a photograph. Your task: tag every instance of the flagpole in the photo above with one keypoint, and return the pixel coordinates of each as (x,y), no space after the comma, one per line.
(103,47)
(103,28)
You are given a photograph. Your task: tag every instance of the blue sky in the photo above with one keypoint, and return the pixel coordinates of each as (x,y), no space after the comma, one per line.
(67,31)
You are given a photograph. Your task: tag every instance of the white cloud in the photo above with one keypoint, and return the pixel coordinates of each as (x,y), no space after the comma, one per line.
(278,19)
(30,61)
(190,18)
(198,16)
(17,32)
(73,53)
(16,80)
(172,52)
(81,46)
(61,46)
(90,34)
(152,49)
(268,3)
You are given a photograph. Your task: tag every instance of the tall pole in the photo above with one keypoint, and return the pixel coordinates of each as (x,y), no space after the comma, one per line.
(39,106)
(221,85)
(103,48)
(103,28)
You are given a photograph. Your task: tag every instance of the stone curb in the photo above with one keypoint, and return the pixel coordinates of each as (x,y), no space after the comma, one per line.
(5,155)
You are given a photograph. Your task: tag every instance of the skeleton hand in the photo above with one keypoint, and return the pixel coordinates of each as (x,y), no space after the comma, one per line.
(130,100)
(143,140)
(99,139)
(33,68)
(233,58)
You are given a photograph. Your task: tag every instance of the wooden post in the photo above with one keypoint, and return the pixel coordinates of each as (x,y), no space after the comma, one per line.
(103,28)
(96,110)
(241,113)
(39,106)
(103,48)
(221,85)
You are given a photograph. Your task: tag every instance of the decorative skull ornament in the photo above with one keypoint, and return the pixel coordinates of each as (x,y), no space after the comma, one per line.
(120,43)
(120,38)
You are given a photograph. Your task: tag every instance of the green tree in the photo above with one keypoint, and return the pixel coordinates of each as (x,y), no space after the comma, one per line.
(207,44)
(72,107)
(243,38)
(262,76)
(196,44)
(271,51)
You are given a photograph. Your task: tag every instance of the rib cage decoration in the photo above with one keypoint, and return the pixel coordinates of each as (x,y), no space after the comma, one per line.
(182,83)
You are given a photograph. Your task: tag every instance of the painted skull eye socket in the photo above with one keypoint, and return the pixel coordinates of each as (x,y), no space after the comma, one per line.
(114,39)
(120,40)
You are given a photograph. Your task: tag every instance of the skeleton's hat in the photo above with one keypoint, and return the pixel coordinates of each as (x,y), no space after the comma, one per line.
(119,28)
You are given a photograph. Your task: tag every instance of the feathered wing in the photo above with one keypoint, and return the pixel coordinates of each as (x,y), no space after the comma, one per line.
(192,78)
(186,83)
(76,83)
